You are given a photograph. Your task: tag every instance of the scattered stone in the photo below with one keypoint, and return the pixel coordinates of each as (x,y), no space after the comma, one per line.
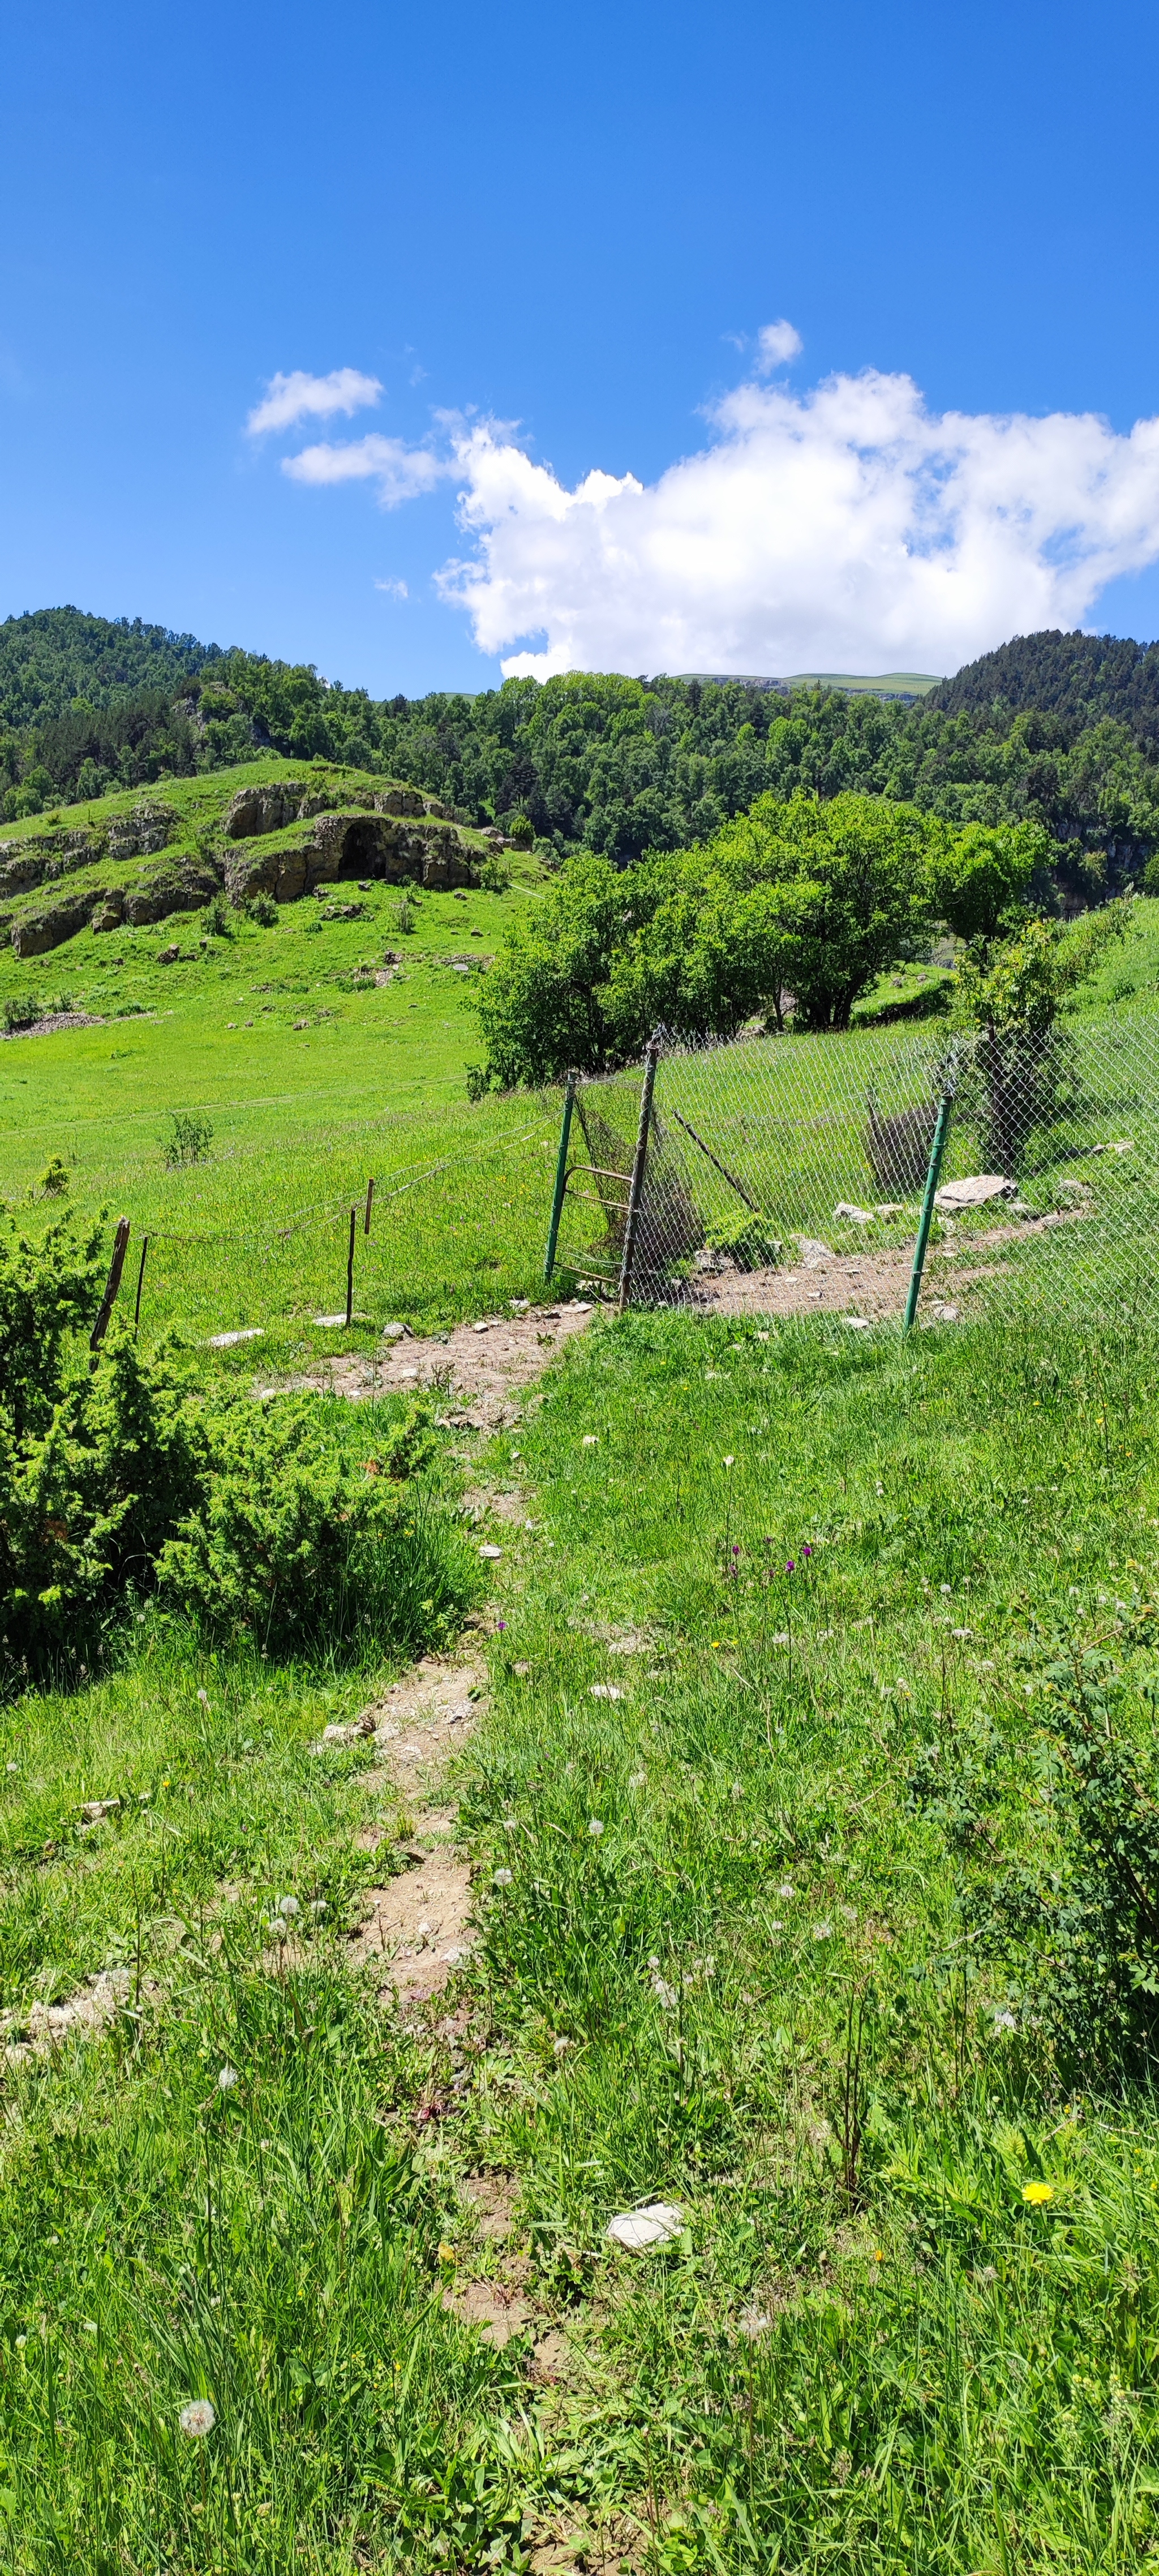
(656,2225)
(975,1191)
(95,1810)
(225,1341)
(488,1550)
(858,1323)
(852,1215)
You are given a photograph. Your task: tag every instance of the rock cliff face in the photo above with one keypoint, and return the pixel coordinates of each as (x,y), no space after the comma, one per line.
(45,856)
(184,887)
(354,844)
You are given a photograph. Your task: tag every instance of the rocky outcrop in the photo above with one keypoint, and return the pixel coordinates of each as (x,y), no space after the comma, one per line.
(37,932)
(255,810)
(354,844)
(140,834)
(25,864)
(399,800)
(185,887)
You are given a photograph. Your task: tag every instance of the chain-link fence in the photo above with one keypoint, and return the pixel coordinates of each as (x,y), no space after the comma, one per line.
(785,1174)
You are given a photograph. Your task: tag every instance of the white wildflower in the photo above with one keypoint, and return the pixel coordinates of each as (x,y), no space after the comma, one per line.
(822,1931)
(197,2419)
(665,1994)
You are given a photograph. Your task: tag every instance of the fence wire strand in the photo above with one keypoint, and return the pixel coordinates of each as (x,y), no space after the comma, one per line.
(771,1156)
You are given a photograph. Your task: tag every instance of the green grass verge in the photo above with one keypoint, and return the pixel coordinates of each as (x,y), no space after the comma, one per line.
(743,1993)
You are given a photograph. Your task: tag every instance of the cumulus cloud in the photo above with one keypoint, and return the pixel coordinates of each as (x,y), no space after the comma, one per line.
(394,587)
(843,529)
(777,343)
(402,473)
(289,399)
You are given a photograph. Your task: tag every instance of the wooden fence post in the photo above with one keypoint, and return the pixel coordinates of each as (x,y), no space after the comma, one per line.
(369,1203)
(112,1284)
(350,1270)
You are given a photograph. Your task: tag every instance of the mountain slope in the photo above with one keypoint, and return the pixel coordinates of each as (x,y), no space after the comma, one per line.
(1081,679)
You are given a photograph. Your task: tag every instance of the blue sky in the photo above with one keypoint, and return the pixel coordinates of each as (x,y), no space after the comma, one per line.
(578,223)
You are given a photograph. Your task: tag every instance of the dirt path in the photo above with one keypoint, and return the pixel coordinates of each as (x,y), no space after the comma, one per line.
(477,1368)
(868,1284)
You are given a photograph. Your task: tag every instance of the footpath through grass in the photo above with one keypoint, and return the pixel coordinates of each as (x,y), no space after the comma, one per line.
(910,2319)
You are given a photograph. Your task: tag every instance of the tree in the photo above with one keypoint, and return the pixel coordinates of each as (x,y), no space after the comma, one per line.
(810,897)
(980,876)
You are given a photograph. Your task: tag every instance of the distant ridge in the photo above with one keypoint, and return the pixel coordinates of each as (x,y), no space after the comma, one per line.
(904,686)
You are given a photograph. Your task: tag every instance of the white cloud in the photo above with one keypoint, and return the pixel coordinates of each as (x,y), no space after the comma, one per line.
(394,587)
(777,342)
(402,473)
(846,529)
(300,397)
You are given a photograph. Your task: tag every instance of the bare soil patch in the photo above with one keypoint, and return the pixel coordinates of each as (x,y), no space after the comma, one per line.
(477,1369)
(872,1284)
(417,1923)
(54,1020)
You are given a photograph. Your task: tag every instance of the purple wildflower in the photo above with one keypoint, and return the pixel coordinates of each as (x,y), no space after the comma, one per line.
(791,1566)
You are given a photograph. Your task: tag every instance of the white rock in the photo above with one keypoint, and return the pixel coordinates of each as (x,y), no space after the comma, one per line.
(857,1323)
(637,2228)
(853,1215)
(975,1191)
(812,1251)
(331,1323)
(250,1333)
(488,1550)
(605,1690)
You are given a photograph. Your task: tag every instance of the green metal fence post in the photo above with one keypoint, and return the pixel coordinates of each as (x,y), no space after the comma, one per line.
(937,1149)
(639,1166)
(560,1174)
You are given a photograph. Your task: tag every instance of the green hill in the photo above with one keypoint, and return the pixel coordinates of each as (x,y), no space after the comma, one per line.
(1059,729)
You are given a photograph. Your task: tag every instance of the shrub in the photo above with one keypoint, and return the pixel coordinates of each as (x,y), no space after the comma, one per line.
(294,1547)
(495,875)
(262,909)
(22,1010)
(263,1521)
(189,1139)
(218,917)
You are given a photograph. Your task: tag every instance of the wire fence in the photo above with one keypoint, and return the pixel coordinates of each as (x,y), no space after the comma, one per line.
(790,1172)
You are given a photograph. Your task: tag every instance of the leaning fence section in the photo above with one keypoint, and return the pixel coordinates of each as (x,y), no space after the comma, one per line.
(1029,1159)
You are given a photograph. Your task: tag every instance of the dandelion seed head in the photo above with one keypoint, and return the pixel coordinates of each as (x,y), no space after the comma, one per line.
(637,1779)
(728,1462)
(197,2419)
(203,1696)
(502,1877)
(595,1826)
(227,2079)
(288,1905)
(318,1906)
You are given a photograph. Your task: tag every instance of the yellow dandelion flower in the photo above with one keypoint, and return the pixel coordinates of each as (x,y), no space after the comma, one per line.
(1037,2193)
(446,2252)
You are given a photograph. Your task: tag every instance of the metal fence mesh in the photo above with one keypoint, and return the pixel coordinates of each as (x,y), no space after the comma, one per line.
(788,1172)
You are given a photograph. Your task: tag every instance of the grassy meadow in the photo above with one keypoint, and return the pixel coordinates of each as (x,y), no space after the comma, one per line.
(771,1638)
(908,2319)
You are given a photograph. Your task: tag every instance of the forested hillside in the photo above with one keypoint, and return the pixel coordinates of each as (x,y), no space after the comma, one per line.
(1062,730)
(1082,679)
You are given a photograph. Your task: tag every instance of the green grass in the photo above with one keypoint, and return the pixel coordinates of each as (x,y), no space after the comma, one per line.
(866,2350)
(301,1116)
